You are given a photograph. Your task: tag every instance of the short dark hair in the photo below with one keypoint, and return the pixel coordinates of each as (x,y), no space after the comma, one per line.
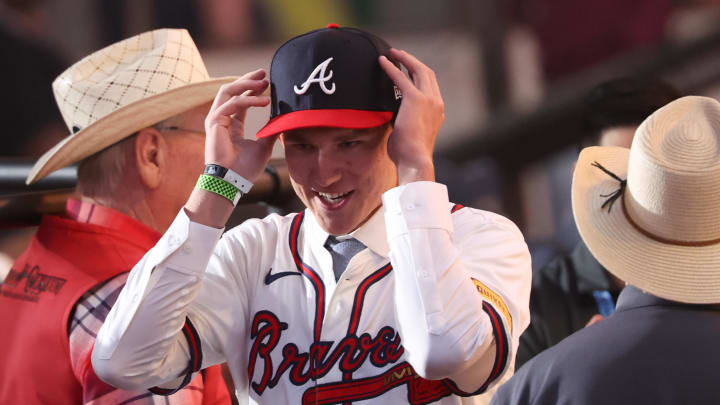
(624,101)
(99,175)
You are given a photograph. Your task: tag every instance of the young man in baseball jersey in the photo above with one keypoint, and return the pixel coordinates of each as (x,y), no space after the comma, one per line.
(381,291)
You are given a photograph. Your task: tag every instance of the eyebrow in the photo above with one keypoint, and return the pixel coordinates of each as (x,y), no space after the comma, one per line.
(294,137)
(355,135)
(305,137)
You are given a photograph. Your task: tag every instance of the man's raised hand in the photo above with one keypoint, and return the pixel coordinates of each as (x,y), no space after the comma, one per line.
(225,143)
(419,119)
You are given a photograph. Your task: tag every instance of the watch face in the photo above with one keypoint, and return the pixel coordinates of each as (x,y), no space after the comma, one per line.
(215,170)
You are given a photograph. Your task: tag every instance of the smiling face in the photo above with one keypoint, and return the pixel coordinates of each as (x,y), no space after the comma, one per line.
(340,174)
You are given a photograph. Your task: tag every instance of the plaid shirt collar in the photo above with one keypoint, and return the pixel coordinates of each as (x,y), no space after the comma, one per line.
(94,214)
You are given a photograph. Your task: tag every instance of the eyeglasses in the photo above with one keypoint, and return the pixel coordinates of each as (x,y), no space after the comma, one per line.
(175,128)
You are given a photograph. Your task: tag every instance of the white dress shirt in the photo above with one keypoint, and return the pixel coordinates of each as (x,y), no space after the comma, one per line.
(455,286)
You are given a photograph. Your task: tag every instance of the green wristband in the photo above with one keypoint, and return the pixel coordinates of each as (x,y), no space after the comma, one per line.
(219,186)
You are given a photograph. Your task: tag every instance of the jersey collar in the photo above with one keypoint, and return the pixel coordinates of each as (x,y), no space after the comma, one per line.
(372,233)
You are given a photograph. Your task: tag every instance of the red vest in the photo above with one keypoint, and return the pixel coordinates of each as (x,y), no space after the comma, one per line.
(64,260)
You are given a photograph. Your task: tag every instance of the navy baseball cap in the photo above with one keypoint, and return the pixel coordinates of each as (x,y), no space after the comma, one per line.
(330,78)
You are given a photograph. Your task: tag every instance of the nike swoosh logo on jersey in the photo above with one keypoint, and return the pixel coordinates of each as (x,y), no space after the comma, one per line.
(269,277)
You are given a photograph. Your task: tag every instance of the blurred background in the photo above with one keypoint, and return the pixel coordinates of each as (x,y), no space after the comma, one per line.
(514,76)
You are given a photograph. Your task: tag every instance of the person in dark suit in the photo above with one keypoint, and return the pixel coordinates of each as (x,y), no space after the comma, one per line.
(574,289)
(651,216)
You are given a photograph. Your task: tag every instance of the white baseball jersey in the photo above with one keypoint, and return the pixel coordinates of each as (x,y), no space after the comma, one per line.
(430,312)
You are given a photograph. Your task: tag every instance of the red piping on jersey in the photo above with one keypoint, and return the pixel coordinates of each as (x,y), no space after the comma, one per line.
(193,346)
(195,359)
(501,342)
(360,300)
(360,296)
(501,354)
(310,274)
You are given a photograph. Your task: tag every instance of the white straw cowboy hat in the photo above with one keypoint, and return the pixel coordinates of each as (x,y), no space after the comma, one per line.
(123,88)
(659,230)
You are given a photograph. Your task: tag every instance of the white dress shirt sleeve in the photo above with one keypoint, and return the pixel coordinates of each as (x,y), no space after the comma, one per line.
(184,277)
(459,284)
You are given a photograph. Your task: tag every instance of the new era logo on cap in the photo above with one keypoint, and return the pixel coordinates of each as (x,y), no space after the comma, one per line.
(330,78)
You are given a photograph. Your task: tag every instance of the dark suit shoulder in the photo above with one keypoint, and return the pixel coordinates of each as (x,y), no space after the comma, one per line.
(632,357)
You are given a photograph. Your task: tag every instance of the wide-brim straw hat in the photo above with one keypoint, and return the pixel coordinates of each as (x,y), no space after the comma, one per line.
(660,229)
(118,90)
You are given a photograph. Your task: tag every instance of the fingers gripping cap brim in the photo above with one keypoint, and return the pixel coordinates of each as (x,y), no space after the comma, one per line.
(357,119)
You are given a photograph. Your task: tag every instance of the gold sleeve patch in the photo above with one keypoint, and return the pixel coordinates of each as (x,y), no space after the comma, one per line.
(495,300)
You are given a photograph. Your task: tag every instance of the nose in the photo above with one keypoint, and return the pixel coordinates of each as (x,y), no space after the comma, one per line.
(328,170)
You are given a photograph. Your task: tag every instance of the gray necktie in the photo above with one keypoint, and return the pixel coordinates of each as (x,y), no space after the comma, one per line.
(342,251)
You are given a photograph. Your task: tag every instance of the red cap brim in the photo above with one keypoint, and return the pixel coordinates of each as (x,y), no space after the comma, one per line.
(325,118)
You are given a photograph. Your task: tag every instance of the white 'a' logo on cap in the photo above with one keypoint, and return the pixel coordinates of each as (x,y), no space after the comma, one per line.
(318,76)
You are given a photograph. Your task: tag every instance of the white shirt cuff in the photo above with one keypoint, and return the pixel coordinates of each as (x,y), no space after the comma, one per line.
(417,205)
(189,245)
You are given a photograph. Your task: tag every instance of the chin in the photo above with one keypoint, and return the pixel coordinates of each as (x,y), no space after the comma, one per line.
(335,228)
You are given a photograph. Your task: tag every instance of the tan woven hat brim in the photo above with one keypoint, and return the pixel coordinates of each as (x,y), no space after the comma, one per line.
(689,274)
(125,122)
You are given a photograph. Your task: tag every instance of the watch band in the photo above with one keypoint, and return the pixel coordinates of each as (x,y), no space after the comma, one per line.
(219,186)
(230,176)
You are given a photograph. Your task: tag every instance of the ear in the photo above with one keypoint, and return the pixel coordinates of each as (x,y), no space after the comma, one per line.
(150,156)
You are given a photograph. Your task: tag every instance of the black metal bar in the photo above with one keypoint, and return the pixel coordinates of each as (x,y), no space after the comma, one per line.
(14,171)
(23,205)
